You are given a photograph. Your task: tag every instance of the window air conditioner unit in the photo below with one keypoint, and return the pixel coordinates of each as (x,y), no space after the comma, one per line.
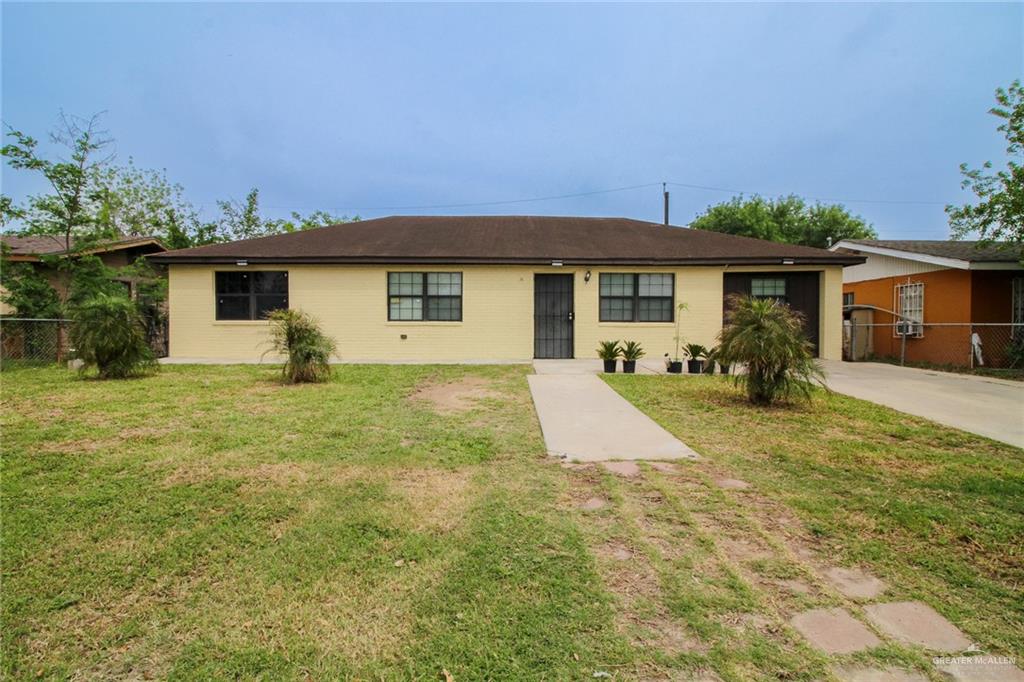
(906,328)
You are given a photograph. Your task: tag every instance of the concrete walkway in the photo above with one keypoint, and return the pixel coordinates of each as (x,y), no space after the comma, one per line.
(584,420)
(982,405)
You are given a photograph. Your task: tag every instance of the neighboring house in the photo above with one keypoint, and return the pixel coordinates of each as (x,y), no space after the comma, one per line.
(115,254)
(438,288)
(944,291)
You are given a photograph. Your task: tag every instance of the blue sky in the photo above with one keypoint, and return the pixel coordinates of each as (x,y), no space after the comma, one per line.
(359,108)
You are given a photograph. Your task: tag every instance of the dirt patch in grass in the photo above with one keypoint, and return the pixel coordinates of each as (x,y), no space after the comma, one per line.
(278,474)
(81,446)
(438,498)
(457,396)
(188,474)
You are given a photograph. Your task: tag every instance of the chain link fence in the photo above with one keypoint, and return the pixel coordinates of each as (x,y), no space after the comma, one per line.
(30,342)
(957,347)
(36,342)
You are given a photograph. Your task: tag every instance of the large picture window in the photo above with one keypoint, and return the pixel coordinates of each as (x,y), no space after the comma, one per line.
(637,298)
(250,295)
(430,296)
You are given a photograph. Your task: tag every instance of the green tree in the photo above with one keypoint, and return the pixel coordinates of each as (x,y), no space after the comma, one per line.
(999,214)
(26,289)
(242,220)
(69,211)
(137,202)
(299,222)
(787,219)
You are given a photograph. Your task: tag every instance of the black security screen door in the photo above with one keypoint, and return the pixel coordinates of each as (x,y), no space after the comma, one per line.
(552,316)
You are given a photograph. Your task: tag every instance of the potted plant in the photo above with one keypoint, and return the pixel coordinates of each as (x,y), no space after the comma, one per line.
(696,353)
(631,352)
(609,351)
(675,364)
(710,358)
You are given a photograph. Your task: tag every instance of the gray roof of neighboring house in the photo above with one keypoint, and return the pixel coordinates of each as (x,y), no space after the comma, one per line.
(51,245)
(506,239)
(999,252)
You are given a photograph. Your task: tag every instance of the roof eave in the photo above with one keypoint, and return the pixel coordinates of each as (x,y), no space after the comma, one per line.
(942,261)
(843,260)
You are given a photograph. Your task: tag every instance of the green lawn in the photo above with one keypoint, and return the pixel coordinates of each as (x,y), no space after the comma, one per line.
(208,522)
(937,513)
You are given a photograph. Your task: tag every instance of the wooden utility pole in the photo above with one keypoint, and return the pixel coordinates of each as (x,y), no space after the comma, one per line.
(664,191)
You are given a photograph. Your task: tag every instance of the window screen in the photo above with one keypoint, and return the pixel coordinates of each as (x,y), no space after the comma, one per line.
(431,296)
(250,295)
(636,297)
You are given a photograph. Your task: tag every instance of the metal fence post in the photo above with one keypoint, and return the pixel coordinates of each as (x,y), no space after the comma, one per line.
(970,346)
(60,342)
(903,349)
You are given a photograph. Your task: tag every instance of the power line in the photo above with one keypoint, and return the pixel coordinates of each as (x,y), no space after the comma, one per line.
(477,203)
(821,199)
(481,204)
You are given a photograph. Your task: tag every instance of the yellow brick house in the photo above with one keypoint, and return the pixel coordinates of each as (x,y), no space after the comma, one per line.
(490,288)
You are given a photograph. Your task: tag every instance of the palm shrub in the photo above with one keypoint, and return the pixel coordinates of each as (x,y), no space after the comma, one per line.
(632,351)
(767,337)
(297,336)
(108,333)
(608,350)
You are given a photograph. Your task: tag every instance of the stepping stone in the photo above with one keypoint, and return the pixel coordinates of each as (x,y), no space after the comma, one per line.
(916,623)
(859,674)
(593,504)
(732,484)
(664,467)
(855,583)
(794,586)
(985,669)
(834,631)
(627,469)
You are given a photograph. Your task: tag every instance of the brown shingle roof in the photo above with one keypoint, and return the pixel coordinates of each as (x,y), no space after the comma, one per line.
(50,245)
(960,250)
(504,239)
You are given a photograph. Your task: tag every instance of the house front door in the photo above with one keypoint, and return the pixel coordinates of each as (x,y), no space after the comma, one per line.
(552,316)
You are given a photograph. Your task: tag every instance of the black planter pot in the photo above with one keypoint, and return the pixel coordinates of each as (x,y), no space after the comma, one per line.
(675,367)
(695,366)
(723,369)
(609,366)
(709,367)
(629,366)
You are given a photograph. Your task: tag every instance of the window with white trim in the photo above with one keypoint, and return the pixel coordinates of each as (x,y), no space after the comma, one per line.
(429,296)
(633,297)
(910,306)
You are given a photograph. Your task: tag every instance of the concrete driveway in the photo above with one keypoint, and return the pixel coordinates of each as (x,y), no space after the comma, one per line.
(982,405)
